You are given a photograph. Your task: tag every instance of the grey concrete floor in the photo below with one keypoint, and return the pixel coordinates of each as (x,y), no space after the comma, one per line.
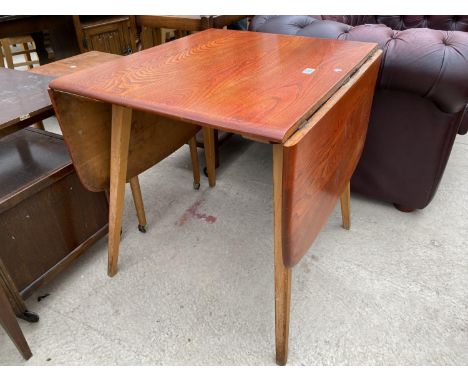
(192,291)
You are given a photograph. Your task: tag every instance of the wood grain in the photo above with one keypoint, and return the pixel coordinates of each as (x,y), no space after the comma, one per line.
(320,159)
(86,127)
(243,82)
(74,64)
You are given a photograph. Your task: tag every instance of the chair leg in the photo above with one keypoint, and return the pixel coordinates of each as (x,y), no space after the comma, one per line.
(282,274)
(208,141)
(11,326)
(195,164)
(139,206)
(345,200)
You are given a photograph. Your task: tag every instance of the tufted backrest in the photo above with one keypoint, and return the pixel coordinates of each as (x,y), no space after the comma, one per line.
(430,63)
(446,23)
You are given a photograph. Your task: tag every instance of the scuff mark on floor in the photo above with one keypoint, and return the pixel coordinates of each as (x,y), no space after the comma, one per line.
(193,212)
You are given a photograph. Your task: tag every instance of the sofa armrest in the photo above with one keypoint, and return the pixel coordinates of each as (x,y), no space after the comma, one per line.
(430,63)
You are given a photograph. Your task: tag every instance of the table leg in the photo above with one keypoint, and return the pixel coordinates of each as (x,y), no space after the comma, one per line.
(208,141)
(282,274)
(120,137)
(9,323)
(138,201)
(345,199)
(195,165)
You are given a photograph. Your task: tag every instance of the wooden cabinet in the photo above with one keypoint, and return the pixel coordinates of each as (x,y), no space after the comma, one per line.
(111,34)
(47,218)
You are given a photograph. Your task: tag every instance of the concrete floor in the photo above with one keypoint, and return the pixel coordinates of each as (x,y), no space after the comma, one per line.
(195,291)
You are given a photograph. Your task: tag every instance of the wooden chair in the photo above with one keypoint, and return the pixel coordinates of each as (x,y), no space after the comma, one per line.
(25,42)
(86,126)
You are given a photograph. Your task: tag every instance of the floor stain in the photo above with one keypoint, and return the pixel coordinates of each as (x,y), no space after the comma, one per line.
(193,212)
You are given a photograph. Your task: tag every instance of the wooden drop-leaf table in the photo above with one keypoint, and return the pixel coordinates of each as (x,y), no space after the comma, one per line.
(309,98)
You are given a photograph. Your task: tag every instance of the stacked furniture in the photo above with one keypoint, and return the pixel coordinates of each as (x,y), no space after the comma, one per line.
(47,218)
(420,101)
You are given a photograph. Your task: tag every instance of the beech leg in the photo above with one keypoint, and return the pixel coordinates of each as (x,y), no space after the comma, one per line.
(208,141)
(195,165)
(138,201)
(120,137)
(345,200)
(282,274)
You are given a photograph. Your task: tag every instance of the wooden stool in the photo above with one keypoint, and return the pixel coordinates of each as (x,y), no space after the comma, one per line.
(6,44)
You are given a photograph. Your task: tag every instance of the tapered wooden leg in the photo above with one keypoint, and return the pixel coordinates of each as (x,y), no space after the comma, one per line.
(9,323)
(195,165)
(282,274)
(138,200)
(345,199)
(120,136)
(209,144)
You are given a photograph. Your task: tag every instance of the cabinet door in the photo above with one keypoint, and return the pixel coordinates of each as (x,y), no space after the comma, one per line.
(110,38)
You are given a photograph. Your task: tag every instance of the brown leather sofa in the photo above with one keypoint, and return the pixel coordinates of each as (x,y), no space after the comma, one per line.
(420,100)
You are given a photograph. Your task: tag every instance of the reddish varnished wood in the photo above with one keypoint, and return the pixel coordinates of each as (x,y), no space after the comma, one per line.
(74,64)
(244,82)
(320,159)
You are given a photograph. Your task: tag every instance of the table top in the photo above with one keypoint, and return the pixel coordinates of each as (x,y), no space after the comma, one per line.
(255,84)
(23,95)
(74,64)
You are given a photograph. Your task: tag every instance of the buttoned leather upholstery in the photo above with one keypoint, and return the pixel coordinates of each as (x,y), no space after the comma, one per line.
(420,100)
(446,23)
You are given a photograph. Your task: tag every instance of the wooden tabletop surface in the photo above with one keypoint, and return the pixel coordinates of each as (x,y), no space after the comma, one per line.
(74,64)
(244,82)
(23,95)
